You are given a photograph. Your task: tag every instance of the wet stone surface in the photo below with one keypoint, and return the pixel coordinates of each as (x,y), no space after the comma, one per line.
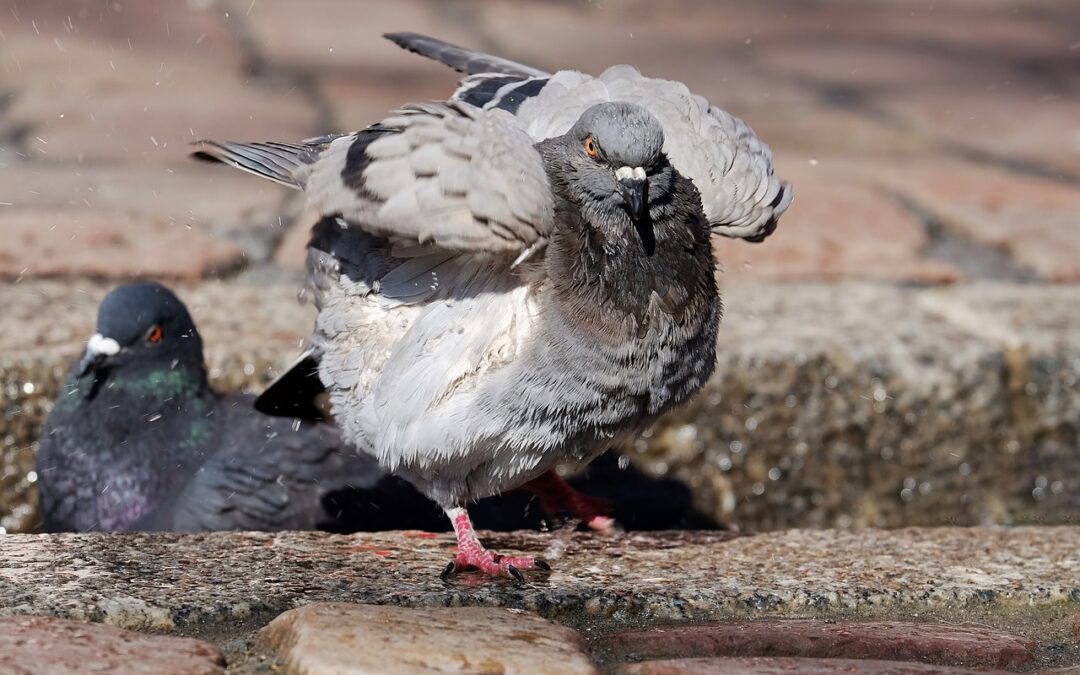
(779,666)
(1020,586)
(972,646)
(957,405)
(35,645)
(170,582)
(360,639)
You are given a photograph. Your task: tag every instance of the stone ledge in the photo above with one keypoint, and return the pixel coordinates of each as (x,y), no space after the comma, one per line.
(170,582)
(223,587)
(834,405)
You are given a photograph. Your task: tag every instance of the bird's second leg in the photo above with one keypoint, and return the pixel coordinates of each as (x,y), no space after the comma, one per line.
(471,554)
(556,495)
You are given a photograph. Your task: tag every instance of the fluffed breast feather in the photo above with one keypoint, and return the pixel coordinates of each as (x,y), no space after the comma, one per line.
(446,174)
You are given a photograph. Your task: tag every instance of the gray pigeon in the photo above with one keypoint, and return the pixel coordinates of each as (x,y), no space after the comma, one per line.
(518,277)
(138,440)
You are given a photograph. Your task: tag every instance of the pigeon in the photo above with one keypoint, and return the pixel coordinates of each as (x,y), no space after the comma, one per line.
(138,440)
(519,277)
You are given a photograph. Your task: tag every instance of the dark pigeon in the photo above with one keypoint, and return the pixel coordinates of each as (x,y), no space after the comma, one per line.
(138,440)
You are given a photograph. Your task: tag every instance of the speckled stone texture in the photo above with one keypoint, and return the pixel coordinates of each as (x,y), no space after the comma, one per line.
(859,405)
(170,582)
(36,645)
(368,639)
(843,405)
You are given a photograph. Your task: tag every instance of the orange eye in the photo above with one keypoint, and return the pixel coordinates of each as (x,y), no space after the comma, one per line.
(154,336)
(590,147)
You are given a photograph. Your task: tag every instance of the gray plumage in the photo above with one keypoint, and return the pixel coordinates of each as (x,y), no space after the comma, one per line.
(139,441)
(522,277)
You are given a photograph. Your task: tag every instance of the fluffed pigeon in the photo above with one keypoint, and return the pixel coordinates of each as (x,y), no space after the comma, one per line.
(137,439)
(520,276)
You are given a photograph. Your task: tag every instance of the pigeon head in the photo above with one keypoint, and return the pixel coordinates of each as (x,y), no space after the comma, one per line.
(616,168)
(141,324)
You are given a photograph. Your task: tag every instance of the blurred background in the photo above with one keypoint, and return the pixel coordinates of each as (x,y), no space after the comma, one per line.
(904,350)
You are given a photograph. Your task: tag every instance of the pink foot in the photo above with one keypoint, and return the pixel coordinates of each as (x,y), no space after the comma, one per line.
(471,554)
(556,495)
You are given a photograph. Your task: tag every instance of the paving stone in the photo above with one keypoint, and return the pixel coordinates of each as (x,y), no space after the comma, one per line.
(189,193)
(349,33)
(341,637)
(47,646)
(1033,219)
(95,100)
(291,253)
(1027,122)
(835,229)
(778,666)
(948,645)
(42,242)
(48,323)
(1025,578)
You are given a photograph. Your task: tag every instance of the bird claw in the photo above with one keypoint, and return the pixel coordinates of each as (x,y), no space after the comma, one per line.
(516,573)
(448,570)
(494,564)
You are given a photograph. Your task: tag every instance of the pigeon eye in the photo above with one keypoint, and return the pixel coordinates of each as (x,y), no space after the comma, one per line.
(154,336)
(590,147)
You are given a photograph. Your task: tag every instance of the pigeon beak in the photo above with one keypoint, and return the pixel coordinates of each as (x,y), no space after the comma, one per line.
(98,349)
(633,187)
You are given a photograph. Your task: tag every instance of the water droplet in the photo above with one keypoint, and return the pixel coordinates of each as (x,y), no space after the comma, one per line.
(28,388)
(964,469)
(31,477)
(758,489)
(907,494)
(774,473)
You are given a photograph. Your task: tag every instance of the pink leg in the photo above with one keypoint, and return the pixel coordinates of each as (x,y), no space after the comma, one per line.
(556,495)
(471,554)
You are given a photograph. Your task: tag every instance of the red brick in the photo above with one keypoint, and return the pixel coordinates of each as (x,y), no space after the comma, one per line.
(42,242)
(837,227)
(93,101)
(1025,120)
(187,193)
(291,252)
(329,37)
(1034,219)
(895,641)
(39,645)
(779,666)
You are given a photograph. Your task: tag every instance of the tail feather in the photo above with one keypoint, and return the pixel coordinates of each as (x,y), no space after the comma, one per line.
(461,59)
(282,163)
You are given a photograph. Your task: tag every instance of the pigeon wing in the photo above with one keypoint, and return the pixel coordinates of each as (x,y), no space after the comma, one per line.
(270,474)
(448,175)
(463,60)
